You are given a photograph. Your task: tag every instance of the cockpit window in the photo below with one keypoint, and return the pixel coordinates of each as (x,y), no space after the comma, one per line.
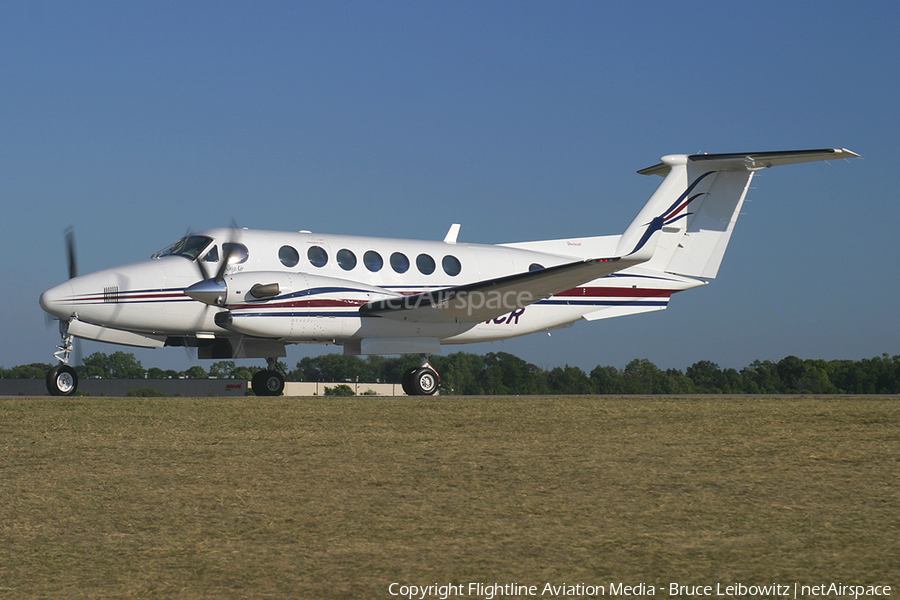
(190,247)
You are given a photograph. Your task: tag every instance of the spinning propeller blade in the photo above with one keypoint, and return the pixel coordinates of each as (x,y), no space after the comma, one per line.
(70,252)
(214,291)
(73,273)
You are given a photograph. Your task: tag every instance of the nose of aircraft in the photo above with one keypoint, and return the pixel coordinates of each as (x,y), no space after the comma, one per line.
(58,301)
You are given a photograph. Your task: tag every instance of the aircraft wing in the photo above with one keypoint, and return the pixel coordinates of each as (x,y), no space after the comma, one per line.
(491,298)
(494,297)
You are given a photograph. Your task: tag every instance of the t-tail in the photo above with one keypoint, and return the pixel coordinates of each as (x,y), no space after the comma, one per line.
(697,204)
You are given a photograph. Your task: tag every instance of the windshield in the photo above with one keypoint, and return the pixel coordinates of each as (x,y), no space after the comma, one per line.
(190,247)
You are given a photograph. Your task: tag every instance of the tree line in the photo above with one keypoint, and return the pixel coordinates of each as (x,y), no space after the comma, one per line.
(498,373)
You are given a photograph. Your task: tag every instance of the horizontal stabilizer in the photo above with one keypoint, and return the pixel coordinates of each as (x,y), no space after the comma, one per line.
(752,161)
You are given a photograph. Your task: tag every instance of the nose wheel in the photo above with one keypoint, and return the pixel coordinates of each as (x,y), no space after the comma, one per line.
(62,381)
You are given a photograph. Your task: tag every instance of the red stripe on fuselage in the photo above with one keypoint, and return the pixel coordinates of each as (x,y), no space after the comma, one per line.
(605,292)
(323,303)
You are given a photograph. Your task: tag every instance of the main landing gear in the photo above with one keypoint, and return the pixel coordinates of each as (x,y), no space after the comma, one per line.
(422,380)
(269,382)
(62,380)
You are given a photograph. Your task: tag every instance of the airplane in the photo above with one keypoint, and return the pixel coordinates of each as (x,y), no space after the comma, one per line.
(240,293)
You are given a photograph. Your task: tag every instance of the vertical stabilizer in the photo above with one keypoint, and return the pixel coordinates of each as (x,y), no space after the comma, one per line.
(663,203)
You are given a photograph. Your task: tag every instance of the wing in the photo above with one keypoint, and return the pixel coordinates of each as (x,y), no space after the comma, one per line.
(494,297)
(491,298)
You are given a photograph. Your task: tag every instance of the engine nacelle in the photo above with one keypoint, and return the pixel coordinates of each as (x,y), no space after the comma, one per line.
(281,305)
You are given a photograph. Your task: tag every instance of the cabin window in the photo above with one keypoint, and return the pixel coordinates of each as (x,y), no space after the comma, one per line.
(236,253)
(317,256)
(399,262)
(451,265)
(346,259)
(288,256)
(425,264)
(535,267)
(373,261)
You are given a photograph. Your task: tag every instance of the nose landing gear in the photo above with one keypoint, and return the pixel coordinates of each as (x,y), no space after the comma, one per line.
(62,380)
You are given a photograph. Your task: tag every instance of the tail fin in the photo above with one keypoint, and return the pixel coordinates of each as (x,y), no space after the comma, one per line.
(698,204)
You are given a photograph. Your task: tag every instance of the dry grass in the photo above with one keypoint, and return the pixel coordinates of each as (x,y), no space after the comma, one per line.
(339,497)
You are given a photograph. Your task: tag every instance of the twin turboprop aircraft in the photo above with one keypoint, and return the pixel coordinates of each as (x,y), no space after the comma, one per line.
(247,294)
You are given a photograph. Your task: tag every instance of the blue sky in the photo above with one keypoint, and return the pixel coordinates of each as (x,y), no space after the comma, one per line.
(133,122)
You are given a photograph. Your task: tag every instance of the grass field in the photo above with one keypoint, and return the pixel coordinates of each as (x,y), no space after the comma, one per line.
(340,497)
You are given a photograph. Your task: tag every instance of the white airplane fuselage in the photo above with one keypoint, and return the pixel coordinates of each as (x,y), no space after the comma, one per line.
(320,304)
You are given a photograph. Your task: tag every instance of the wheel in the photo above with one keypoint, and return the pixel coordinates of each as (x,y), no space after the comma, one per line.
(62,381)
(267,383)
(406,382)
(425,381)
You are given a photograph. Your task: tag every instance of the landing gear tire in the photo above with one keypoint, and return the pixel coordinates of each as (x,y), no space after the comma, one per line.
(425,381)
(62,381)
(421,382)
(406,382)
(267,383)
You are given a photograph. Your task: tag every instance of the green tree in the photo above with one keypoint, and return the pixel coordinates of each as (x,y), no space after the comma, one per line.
(569,380)
(790,371)
(878,375)
(245,372)
(676,382)
(118,365)
(606,380)
(222,369)
(761,377)
(394,368)
(196,372)
(706,377)
(31,371)
(518,376)
(816,378)
(460,373)
(643,377)
(331,367)
(339,390)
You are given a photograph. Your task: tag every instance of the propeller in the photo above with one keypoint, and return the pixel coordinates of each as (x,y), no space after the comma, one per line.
(70,252)
(69,236)
(213,291)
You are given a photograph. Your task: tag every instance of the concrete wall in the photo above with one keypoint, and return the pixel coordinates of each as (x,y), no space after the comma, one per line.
(187,387)
(121,387)
(309,388)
